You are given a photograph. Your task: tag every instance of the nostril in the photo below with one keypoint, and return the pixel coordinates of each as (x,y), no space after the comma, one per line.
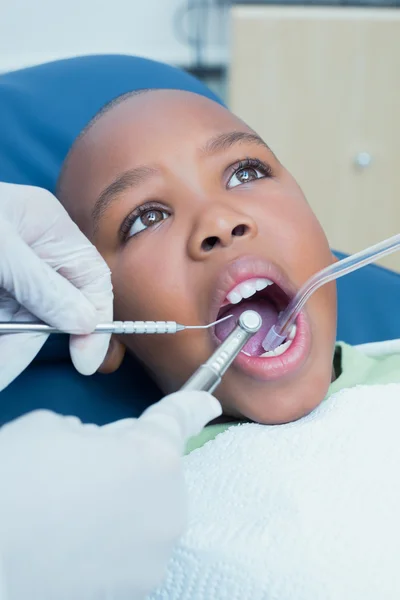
(209,243)
(240,230)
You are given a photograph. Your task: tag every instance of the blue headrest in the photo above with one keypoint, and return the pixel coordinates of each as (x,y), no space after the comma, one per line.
(368,305)
(44,108)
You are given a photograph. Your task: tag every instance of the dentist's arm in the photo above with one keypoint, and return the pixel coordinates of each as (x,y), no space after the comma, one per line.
(93,512)
(85,512)
(49,271)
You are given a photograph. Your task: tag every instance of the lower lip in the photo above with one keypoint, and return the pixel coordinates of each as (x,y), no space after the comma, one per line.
(275,367)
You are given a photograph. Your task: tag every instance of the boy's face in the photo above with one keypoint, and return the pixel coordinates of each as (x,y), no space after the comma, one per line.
(184,202)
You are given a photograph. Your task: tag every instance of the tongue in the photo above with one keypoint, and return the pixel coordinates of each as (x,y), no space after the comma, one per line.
(268,313)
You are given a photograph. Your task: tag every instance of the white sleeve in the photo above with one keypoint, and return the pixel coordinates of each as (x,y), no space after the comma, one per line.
(89,512)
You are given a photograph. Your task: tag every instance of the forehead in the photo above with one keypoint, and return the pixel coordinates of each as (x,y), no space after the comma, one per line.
(143,129)
(149,119)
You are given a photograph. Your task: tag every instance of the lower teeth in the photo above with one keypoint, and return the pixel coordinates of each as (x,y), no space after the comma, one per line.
(279,350)
(282,348)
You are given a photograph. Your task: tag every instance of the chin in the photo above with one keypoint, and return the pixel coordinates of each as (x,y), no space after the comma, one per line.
(272,403)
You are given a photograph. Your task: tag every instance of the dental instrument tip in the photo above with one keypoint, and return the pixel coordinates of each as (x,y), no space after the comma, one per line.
(209,324)
(208,376)
(250,321)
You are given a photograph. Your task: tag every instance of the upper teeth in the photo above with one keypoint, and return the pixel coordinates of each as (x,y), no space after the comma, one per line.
(246,289)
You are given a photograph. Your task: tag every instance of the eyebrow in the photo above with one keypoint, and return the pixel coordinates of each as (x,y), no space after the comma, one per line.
(224,141)
(126,180)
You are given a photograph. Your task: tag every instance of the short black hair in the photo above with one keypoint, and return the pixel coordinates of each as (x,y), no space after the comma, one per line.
(105,109)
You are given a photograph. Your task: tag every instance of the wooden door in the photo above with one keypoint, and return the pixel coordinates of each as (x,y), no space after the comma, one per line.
(322,86)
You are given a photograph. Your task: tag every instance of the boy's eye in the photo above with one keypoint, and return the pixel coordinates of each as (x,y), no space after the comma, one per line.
(147,219)
(251,170)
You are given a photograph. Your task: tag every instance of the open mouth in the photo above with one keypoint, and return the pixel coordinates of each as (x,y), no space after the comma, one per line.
(265,297)
(252,283)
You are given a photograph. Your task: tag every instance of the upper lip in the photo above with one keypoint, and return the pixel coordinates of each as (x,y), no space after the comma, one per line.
(241,269)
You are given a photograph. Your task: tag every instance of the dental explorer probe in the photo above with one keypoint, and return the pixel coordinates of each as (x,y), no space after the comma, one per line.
(119,327)
(208,376)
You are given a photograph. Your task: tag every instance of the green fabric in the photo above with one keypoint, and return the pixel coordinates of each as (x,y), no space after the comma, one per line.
(359,369)
(356,369)
(208,433)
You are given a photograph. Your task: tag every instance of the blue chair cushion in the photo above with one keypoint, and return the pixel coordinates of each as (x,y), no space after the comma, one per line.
(368,305)
(44,108)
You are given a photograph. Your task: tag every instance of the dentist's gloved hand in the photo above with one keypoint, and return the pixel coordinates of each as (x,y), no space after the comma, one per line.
(93,512)
(49,271)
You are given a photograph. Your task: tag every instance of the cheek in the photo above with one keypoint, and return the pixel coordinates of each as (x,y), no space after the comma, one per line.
(138,278)
(306,245)
(150,289)
(290,230)
(295,235)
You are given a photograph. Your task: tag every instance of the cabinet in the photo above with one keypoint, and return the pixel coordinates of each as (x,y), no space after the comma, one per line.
(322,87)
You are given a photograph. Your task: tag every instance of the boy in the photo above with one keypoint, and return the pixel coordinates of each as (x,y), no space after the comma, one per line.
(197,218)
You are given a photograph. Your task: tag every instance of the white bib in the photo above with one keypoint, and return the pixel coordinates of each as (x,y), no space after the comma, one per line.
(304,511)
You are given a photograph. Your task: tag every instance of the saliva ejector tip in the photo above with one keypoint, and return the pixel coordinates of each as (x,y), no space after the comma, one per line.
(273,339)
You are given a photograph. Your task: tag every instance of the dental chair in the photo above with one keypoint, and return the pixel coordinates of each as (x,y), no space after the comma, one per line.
(368,305)
(42,110)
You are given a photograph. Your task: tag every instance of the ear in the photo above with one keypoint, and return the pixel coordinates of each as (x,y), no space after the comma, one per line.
(114,357)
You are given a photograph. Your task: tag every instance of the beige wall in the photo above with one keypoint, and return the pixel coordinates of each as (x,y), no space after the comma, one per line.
(322,86)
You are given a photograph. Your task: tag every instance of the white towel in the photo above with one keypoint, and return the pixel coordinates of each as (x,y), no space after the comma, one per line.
(304,511)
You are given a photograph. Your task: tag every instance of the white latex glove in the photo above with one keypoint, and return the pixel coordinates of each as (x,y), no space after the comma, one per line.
(49,271)
(93,513)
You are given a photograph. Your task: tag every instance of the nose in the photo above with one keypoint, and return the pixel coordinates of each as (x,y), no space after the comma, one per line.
(217,228)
